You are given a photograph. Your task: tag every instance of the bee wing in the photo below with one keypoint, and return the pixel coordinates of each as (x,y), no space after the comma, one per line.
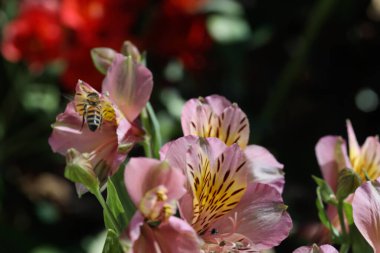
(108,113)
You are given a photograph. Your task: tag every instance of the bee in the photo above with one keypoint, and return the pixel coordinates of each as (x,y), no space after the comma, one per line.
(92,107)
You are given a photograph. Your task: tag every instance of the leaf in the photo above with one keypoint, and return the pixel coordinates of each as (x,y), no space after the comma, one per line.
(326,193)
(115,207)
(112,243)
(125,200)
(359,244)
(347,208)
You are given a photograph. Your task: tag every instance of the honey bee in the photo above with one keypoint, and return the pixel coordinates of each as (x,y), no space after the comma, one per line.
(92,107)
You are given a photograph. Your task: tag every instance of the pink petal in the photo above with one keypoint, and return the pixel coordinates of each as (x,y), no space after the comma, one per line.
(366,212)
(370,157)
(217,103)
(264,168)
(315,249)
(144,174)
(128,85)
(354,148)
(177,235)
(173,236)
(141,236)
(332,156)
(261,217)
(175,151)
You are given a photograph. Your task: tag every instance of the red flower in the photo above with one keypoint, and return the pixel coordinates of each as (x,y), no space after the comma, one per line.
(35,36)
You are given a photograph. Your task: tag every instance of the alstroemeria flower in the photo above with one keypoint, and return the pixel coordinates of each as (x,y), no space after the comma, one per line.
(154,188)
(316,249)
(127,88)
(366,212)
(228,211)
(215,116)
(332,156)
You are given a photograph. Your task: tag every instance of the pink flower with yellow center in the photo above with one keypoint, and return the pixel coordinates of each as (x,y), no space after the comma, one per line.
(125,91)
(332,156)
(215,116)
(226,209)
(154,188)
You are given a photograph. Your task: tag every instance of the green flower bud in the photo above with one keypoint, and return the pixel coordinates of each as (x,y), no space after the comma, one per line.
(79,170)
(102,58)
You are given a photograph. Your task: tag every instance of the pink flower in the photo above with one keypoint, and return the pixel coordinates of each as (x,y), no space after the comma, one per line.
(228,211)
(154,188)
(332,156)
(316,249)
(215,116)
(126,89)
(366,212)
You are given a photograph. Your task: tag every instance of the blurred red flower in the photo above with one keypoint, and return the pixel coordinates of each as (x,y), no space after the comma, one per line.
(36,35)
(67,29)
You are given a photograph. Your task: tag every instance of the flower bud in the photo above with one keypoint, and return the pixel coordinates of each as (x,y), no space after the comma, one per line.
(129,49)
(102,58)
(79,170)
(348,181)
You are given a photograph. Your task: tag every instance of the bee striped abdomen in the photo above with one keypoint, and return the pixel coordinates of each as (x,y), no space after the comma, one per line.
(93,117)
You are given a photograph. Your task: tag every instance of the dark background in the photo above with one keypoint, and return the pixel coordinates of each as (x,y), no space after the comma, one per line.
(298,75)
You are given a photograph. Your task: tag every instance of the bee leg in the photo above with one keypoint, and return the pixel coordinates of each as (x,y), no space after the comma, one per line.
(83,119)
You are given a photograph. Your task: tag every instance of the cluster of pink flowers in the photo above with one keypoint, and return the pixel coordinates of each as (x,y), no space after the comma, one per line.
(208,191)
(228,194)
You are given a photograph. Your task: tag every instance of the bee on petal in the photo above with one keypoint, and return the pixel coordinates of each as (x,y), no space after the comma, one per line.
(92,107)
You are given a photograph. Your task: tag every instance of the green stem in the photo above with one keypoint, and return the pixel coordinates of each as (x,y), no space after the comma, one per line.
(147,128)
(107,210)
(156,130)
(342,223)
(344,248)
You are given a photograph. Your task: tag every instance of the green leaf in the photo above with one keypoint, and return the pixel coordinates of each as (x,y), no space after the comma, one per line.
(118,183)
(115,206)
(156,132)
(326,193)
(112,243)
(347,207)
(348,181)
(359,244)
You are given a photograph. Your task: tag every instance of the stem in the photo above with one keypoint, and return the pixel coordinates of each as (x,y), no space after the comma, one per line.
(344,248)
(156,129)
(106,210)
(147,138)
(342,224)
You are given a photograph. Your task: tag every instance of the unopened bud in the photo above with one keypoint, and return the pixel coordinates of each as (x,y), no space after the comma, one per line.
(79,170)
(102,58)
(129,49)
(348,181)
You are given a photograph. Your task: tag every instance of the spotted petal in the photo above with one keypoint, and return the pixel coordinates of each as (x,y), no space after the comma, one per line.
(260,217)
(217,185)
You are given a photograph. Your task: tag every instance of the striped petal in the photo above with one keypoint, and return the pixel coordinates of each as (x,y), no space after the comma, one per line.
(316,249)
(217,185)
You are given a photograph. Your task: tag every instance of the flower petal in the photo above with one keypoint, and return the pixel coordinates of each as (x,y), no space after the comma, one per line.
(176,235)
(332,156)
(217,103)
(129,85)
(369,159)
(316,249)
(264,168)
(354,148)
(366,212)
(261,217)
(144,174)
